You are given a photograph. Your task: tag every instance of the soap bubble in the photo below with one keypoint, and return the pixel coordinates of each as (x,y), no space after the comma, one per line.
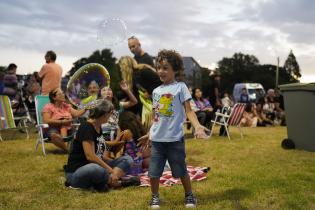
(112,31)
(77,87)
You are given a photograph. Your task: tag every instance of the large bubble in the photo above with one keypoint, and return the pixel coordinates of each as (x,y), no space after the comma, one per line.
(111,32)
(83,88)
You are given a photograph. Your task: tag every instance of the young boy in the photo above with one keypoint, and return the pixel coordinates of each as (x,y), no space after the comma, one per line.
(170,102)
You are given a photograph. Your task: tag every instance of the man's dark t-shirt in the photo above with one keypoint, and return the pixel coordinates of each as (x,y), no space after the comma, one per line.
(215,85)
(145,58)
(86,132)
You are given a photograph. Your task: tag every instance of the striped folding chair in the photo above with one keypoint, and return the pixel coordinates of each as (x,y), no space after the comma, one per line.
(7,119)
(229,117)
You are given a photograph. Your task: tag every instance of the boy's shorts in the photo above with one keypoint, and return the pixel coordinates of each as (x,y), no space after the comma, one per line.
(174,152)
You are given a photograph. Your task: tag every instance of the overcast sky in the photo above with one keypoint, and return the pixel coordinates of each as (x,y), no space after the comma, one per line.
(206,30)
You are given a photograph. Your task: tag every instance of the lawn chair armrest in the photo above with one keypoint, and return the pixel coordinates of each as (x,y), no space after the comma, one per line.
(221,115)
(42,126)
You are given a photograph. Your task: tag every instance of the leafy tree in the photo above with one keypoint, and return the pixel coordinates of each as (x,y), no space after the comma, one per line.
(242,68)
(292,66)
(2,68)
(239,68)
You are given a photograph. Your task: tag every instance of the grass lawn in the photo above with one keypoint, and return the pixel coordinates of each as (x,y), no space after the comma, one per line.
(249,173)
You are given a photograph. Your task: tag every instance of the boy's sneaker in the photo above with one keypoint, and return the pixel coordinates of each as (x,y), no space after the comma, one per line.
(155,202)
(190,201)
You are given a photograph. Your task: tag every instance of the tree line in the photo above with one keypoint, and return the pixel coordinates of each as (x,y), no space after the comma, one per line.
(239,68)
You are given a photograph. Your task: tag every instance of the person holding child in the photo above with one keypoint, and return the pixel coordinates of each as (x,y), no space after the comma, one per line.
(170,103)
(58,115)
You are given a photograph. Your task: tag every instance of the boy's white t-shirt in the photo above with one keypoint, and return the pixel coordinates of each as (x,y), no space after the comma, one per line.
(169,112)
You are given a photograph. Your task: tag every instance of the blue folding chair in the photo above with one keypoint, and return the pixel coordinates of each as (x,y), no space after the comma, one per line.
(40,102)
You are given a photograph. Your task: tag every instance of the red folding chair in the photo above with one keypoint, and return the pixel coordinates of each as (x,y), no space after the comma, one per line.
(229,117)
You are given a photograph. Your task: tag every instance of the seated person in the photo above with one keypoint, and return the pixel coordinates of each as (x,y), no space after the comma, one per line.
(11,83)
(204,109)
(262,118)
(88,165)
(226,100)
(268,107)
(129,122)
(279,107)
(58,115)
(249,118)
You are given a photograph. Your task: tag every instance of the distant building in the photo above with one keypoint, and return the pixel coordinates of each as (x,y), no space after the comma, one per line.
(192,71)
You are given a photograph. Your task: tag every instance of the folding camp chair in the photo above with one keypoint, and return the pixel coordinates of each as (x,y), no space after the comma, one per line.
(40,102)
(229,117)
(7,119)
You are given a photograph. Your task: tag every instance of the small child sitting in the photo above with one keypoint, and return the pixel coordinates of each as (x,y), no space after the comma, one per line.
(129,122)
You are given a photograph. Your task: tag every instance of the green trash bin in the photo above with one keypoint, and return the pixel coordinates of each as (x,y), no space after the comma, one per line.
(299,102)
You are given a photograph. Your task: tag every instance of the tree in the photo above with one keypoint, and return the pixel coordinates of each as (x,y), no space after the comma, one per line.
(239,68)
(292,66)
(242,68)
(2,68)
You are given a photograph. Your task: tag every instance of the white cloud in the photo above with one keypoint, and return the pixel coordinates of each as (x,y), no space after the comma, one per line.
(205,30)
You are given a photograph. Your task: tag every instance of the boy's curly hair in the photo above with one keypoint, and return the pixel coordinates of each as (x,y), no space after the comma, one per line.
(174,59)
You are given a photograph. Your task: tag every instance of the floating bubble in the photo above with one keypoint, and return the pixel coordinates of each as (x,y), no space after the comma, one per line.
(89,75)
(112,31)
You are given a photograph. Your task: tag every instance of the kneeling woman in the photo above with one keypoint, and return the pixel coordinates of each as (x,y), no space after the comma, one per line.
(87,167)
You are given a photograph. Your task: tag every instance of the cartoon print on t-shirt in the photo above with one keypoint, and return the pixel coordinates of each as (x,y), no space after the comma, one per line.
(166,105)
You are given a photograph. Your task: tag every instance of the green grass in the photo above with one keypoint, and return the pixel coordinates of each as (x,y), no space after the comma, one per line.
(249,173)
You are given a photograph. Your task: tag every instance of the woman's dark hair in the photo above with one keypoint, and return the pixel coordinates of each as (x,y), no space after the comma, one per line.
(174,59)
(129,120)
(194,93)
(104,107)
(52,95)
(248,107)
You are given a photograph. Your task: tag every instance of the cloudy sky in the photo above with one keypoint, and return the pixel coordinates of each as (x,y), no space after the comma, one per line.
(206,30)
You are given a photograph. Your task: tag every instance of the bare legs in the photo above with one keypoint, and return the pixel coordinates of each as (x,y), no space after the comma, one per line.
(185,181)
(57,140)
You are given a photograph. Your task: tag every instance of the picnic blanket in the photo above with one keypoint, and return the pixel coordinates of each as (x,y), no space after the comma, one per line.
(195,173)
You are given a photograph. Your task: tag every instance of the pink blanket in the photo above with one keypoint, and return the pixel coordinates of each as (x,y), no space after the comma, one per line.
(195,173)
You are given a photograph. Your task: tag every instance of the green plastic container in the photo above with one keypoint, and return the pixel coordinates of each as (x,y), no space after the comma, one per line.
(299,102)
